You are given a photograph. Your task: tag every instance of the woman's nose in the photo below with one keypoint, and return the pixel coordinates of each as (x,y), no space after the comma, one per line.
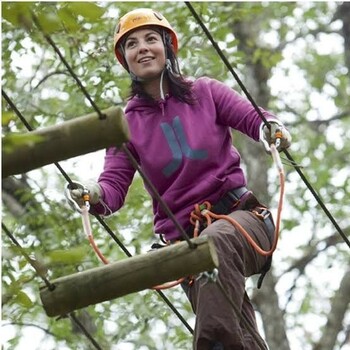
(143,47)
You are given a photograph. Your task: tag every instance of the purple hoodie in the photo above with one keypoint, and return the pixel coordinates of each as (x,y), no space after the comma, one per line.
(185,150)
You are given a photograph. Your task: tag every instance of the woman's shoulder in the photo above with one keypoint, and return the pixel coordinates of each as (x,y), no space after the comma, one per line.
(203,80)
(136,103)
(208,83)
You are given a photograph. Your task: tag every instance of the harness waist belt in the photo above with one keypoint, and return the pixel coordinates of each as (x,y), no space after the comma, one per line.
(224,206)
(229,201)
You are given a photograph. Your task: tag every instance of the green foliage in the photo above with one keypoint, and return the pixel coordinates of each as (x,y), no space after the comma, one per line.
(71,256)
(312,99)
(19,140)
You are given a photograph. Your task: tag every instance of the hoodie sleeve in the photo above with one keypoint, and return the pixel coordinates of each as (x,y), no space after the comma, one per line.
(236,111)
(114,181)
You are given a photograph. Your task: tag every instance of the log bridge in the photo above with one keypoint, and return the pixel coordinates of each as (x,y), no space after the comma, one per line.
(129,275)
(65,140)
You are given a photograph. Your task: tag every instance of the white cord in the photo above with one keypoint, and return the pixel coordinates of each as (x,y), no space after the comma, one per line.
(161,86)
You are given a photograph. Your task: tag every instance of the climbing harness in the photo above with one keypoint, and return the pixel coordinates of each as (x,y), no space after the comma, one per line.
(204,214)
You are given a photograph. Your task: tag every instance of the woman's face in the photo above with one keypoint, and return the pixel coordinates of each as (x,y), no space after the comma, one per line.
(145,53)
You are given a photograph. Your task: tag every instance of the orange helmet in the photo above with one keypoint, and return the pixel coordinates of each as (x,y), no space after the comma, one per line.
(139,18)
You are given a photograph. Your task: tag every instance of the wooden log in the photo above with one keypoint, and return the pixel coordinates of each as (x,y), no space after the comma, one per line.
(128,276)
(65,140)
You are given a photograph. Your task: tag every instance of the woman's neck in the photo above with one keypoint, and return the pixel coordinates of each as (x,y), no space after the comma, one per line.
(153,88)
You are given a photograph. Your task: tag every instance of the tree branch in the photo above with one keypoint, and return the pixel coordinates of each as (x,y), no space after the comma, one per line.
(24,324)
(313,252)
(57,72)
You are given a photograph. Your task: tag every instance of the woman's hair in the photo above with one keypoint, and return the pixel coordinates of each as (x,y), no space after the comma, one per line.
(179,86)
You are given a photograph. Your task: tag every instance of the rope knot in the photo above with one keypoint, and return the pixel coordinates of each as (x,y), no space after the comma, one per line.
(200,215)
(199,212)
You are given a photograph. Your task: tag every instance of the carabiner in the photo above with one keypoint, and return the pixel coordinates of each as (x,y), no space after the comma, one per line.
(85,195)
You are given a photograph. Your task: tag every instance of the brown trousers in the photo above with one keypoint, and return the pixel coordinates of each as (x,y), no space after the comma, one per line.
(216,320)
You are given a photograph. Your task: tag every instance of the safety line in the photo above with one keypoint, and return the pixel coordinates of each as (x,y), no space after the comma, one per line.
(99,218)
(227,63)
(48,284)
(258,110)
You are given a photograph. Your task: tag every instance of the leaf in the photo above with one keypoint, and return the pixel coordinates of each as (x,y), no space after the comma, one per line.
(23,299)
(11,141)
(87,10)
(71,256)
(49,22)
(7,117)
(68,18)
(17,13)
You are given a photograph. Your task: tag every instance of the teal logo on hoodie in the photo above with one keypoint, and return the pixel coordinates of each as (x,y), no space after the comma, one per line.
(176,138)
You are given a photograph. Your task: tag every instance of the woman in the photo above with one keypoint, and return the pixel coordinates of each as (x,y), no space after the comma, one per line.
(180,136)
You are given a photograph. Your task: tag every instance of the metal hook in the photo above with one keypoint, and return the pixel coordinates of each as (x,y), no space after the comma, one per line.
(72,186)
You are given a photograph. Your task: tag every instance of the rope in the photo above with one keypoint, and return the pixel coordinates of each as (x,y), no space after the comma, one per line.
(256,107)
(227,63)
(199,214)
(88,233)
(84,330)
(160,293)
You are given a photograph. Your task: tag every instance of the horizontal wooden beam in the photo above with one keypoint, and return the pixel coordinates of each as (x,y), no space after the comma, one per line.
(128,276)
(63,141)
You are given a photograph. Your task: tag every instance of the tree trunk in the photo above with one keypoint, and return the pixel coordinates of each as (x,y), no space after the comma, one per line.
(339,306)
(272,316)
(343,13)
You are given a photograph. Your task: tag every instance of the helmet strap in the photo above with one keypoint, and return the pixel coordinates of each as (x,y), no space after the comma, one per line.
(162,97)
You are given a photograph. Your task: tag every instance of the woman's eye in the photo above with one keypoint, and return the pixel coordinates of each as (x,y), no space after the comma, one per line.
(152,38)
(130,44)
